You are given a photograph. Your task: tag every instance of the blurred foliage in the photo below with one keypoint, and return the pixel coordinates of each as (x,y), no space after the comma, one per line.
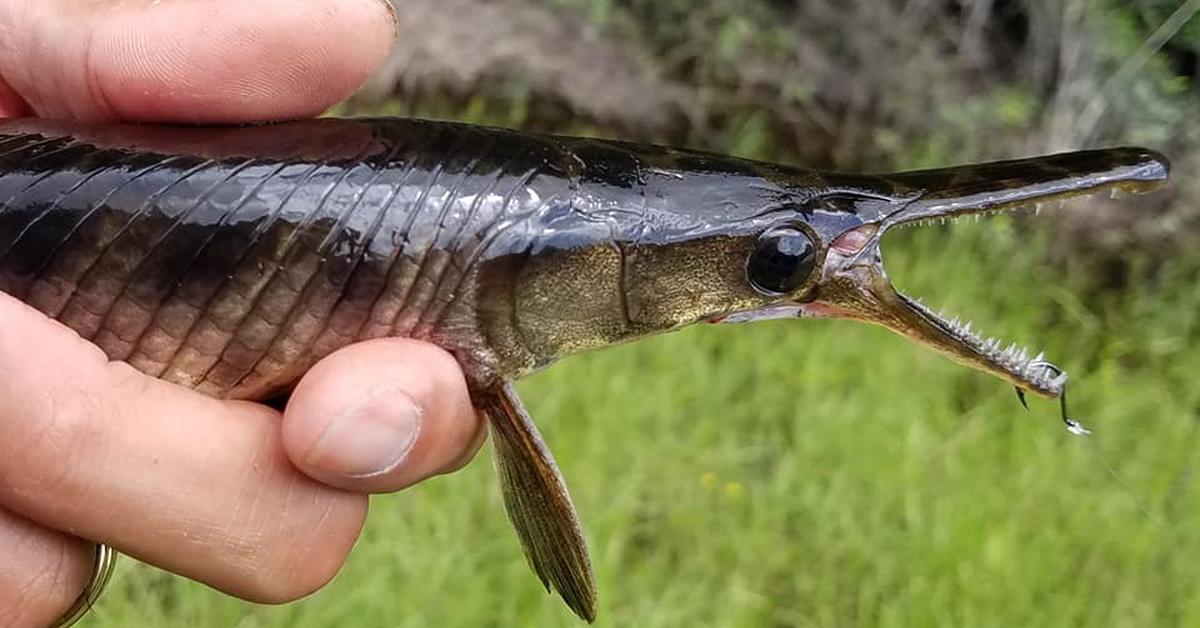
(867,84)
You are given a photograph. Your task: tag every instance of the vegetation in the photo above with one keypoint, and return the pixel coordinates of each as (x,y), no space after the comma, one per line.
(817,473)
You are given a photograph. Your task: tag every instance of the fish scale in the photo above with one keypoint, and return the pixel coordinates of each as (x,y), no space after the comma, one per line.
(151,282)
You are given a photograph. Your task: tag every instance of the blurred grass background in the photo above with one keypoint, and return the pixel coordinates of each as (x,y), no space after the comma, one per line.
(824,473)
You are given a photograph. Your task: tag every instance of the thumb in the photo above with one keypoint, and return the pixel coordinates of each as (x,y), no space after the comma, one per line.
(381,415)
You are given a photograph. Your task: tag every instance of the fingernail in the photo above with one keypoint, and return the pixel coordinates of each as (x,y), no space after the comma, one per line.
(371,439)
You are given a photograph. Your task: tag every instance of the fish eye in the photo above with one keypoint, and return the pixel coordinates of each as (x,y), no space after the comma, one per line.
(782,261)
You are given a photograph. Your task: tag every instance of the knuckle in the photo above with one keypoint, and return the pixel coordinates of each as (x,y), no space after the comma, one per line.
(126,379)
(48,431)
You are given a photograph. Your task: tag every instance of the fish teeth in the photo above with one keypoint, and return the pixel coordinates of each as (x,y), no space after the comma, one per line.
(1012,358)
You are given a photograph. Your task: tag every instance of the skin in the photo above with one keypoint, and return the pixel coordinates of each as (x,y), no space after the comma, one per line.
(261,504)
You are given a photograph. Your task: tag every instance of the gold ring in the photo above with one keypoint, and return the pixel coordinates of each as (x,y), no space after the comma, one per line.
(102,570)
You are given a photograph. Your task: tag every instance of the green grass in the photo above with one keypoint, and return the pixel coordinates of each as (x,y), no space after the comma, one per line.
(819,473)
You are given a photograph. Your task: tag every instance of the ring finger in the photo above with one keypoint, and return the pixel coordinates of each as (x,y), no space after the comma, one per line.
(42,572)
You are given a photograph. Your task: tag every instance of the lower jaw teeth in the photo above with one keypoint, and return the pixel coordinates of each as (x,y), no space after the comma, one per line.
(1035,372)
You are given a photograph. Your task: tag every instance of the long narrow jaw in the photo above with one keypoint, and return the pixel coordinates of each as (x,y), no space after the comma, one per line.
(854,285)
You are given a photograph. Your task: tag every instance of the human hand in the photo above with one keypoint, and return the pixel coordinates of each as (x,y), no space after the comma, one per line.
(256,503)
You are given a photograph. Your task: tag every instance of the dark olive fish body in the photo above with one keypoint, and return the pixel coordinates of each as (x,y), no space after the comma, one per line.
(230,259)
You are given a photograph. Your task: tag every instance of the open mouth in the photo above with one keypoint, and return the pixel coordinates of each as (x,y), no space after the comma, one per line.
(854,285)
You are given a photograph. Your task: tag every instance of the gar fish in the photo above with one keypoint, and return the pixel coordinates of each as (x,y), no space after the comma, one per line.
(230,259)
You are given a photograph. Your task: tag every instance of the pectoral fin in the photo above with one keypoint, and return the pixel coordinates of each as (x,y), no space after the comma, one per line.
(537,502)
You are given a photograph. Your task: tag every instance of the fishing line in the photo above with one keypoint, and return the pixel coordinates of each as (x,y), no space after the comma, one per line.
(1076,428)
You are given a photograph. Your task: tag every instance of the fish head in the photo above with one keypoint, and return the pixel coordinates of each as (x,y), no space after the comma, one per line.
(824,259)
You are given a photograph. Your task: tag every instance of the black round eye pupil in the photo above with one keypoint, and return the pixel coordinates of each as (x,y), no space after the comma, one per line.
(782,261)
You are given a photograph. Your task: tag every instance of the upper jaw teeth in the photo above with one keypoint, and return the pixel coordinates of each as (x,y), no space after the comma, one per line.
(1036,207)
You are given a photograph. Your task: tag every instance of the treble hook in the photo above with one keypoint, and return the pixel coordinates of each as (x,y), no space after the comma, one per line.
(1073,426)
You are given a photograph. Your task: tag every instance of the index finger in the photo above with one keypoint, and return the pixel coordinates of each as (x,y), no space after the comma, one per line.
(198,486)
(193,61)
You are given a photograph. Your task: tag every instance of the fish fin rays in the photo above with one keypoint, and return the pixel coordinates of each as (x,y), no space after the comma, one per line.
(537,502)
